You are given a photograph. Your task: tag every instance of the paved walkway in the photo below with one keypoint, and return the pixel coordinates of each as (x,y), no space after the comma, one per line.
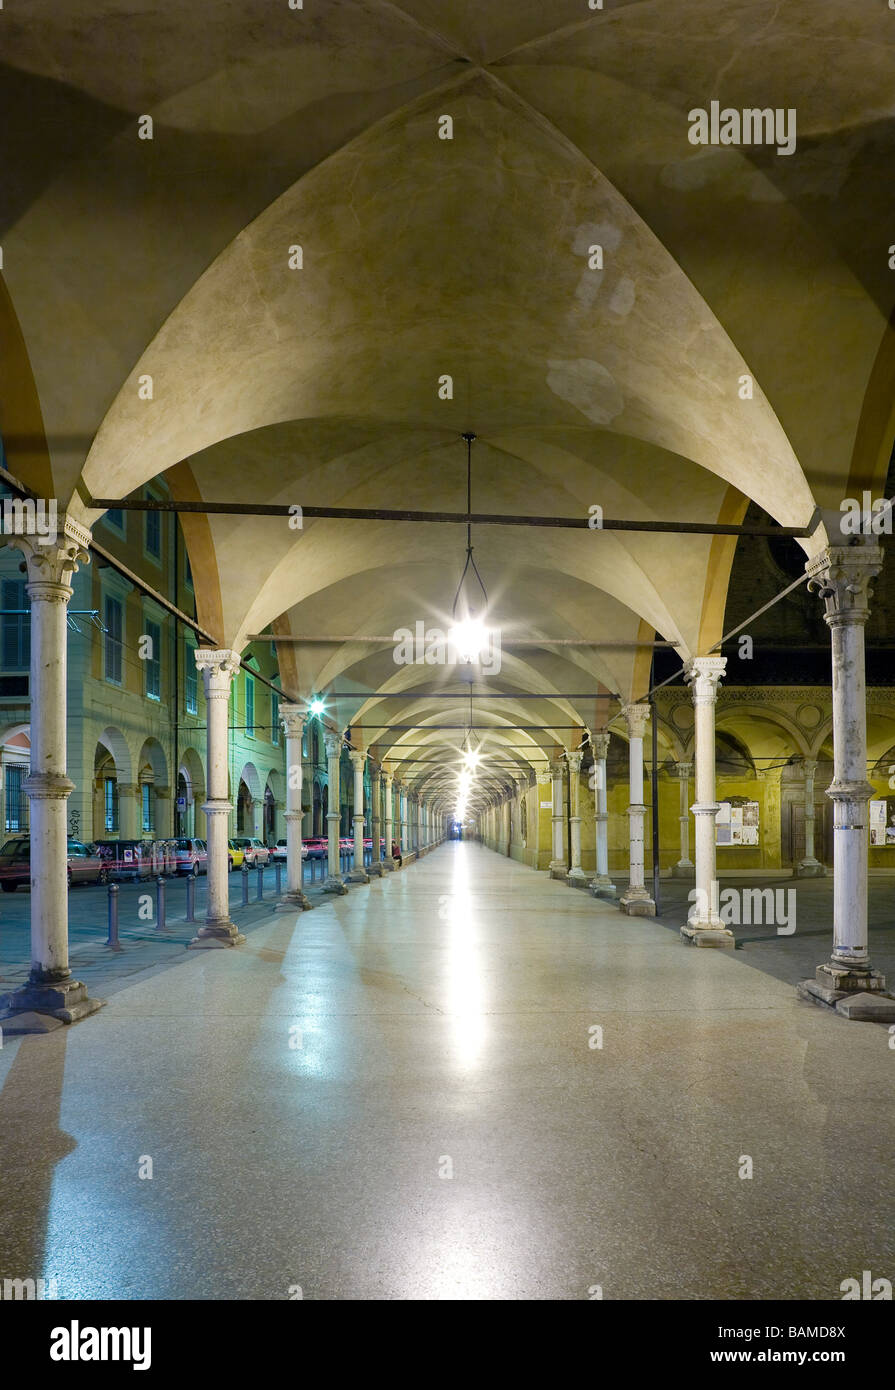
(394,1096)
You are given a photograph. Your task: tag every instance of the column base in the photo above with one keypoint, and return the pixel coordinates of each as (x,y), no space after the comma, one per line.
(637,903)
(603,888)
(358,876)
(809,868)
(216,936)
(858,995)
(692,934)
(683,869)
(388,865)
(334,885)
(293,902)
(577,878)
(41,1008)
(375,870)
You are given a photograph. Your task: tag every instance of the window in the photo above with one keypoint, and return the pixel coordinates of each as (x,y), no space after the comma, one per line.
(112,616)
(192,680)
(250,707)
(16,629)
(274,717)
(16,800)
(110,800)
(115,517)
(148,806)
(153,538)
(154,662)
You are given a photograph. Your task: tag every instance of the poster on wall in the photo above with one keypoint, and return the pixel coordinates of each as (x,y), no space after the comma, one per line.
(737,822)
(882,823)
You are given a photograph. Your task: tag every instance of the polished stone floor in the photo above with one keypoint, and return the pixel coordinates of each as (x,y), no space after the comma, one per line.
(394,1096)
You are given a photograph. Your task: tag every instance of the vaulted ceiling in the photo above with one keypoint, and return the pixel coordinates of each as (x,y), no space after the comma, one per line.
(424,257)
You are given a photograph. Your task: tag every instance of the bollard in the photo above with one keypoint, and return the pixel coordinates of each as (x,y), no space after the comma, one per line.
(190,898)
(259,893)
(278,876)
(245,884)
(160,904)
(112,942)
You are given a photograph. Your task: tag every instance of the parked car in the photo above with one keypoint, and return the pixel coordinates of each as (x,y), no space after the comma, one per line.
(255,852)
(190,856)
(317,848)
(279,850)
(236,855)
(126,858)
(84,866)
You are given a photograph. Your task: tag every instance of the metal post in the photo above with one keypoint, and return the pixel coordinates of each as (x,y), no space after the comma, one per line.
(245,884)
(112,941)
(190,898)
(259,893)
(160,904)
(278,876)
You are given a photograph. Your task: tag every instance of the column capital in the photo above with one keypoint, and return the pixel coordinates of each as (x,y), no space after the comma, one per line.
(357,757)
(218,667)
(637,719)
(558,767)
(703,674)
(292,718)
(544,778)
(685,771)
(333,743)
(600,745)
(53,554)
(574,761)
(842,575)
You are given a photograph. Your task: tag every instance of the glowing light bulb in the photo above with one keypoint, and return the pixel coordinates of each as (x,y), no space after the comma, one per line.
(470,638)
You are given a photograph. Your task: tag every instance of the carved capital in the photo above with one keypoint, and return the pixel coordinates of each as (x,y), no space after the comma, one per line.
(685,771)
(218,669)
(545,778)
(637,719)
(600,745)
(358,758)
(842,575)
(574,761)
(703,675)
(333,743)
(54,556)
(292,718)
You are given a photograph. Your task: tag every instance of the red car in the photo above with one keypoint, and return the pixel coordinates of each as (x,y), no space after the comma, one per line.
(84,866)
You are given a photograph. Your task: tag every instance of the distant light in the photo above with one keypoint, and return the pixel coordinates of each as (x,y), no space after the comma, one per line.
(317,706)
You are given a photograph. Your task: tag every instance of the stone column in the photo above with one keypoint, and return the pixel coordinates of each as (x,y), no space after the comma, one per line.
(601,884)
(684,868)
(375,868)
(333,882)
(292,718)
(358,873)
(51,996)
(558,862)
(218,669)
(636,901)
(704,926)
(388,835)
(128,794)
(576,874)
(809,867)
(842,576)
(402,817)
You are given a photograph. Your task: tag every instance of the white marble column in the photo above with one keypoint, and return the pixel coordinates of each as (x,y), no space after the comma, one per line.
(704,926)
(601,884)
(51,996)
(636,901)
(808,866)
(558,867)
(358,874)
(402,816)
(375,868)
(292,718)
(218,669)
(577,875)
(333,882)
(388,833)
(684,868)
(842,576)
